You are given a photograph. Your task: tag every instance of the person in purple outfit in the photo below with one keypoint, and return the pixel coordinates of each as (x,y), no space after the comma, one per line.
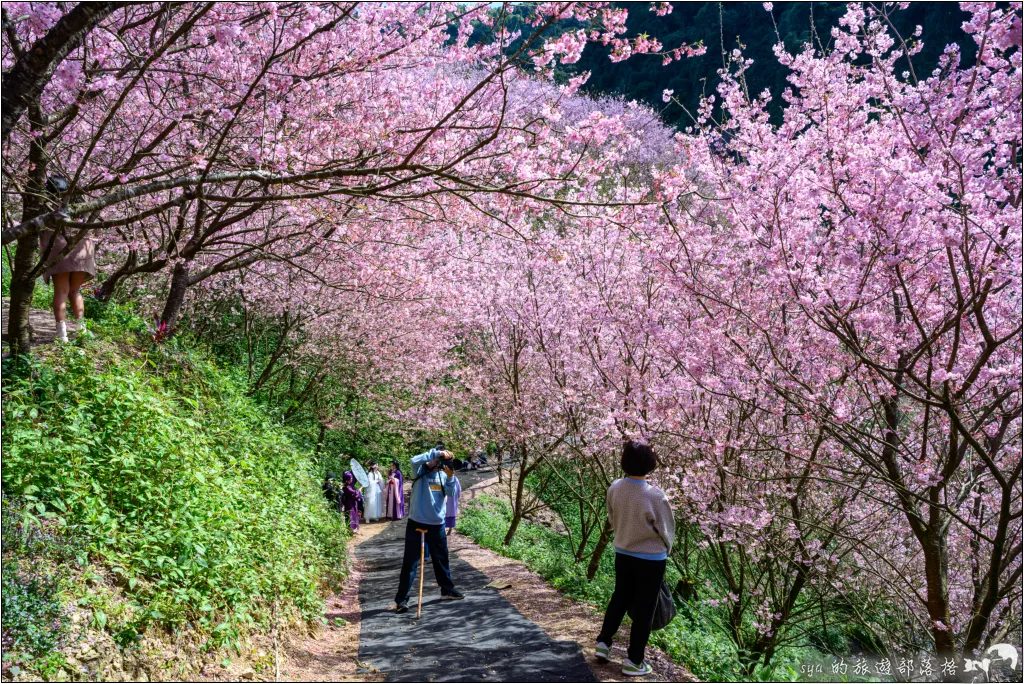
(350,499)
(452,507)
(394,494)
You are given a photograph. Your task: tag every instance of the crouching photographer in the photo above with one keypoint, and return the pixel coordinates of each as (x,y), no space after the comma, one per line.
(434,482)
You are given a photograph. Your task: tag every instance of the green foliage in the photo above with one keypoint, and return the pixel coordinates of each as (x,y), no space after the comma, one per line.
(5,272)
(201,509)
(335,410)
(486,520)
(42,295)
(34,616)
(706,652)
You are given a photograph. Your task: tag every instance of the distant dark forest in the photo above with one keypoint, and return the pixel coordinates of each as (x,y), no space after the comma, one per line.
(725,26)
(747,25)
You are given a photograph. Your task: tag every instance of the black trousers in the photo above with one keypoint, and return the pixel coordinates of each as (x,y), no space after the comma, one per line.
(437,542)
(637,582)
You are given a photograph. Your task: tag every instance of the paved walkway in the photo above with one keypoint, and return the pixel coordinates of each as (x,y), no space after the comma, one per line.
(481,638)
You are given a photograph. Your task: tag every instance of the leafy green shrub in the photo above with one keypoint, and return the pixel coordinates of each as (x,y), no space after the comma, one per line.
(200,508)
(486,519)
(707,653)
(33,615)
(34,621)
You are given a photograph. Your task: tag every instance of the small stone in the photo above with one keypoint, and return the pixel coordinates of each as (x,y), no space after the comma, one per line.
(248,673)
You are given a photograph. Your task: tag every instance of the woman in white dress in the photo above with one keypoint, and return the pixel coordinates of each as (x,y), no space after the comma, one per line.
(373,494)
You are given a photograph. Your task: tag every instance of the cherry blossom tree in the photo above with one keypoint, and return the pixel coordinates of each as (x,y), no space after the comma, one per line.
(871,243)
(817,322)
(819,327)
(207,110)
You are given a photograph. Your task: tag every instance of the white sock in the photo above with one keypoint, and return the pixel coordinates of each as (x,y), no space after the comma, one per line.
(62,331)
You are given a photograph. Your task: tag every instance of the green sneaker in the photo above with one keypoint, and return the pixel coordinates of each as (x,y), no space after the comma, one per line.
(603,651)
(632,670)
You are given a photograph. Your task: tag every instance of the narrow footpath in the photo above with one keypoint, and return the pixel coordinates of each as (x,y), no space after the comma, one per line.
(41,322)
(482,637)
(527,631)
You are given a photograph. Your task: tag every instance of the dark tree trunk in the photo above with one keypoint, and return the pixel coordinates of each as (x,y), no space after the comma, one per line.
(23,284)
(936,564)
(602,544)
(517,507)
(24,270)
(512,528)
(180,282)
(586,528)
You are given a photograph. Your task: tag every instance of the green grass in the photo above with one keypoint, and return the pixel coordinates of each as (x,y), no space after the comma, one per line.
(486,520)
(183,494)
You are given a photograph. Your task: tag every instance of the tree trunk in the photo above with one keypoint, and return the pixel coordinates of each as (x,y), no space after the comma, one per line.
(517,507)
(129,268)
(320,440)
(24,270)
(595,557)
(512,528)
(936,579)
(23,284)
(586,529)
(176,296)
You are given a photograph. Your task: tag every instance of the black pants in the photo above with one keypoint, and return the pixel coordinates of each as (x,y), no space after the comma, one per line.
(637,582)
(437,542)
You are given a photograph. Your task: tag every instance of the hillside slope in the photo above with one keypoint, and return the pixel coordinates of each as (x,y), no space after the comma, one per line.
(143,487)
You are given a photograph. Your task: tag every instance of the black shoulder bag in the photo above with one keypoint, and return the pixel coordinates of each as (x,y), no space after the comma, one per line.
(665,608)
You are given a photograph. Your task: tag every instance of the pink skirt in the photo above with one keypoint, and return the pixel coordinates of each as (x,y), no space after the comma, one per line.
(82,258)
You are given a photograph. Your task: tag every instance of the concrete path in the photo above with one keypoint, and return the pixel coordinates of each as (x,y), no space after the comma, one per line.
(480,638)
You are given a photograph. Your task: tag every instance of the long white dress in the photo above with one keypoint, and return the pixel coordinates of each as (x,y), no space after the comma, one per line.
(373,496)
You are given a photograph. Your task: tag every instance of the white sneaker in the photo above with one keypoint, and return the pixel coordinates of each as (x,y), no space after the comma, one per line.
(62,331)
(631,669)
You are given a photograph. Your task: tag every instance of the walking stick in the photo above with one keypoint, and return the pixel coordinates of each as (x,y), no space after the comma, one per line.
(423,544)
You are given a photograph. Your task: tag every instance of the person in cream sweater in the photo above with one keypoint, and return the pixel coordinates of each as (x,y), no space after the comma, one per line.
(644,528)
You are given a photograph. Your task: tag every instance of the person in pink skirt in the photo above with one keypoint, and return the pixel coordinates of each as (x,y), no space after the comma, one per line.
(71,272)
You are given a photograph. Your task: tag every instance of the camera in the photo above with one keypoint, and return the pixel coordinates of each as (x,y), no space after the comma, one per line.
(449,461)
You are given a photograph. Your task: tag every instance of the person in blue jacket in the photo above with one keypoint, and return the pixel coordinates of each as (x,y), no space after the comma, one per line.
(433,483)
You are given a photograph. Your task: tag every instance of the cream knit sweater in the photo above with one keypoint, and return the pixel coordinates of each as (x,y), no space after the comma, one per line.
(641,518)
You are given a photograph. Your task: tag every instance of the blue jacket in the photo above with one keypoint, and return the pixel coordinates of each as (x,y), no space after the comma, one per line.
(429,491)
